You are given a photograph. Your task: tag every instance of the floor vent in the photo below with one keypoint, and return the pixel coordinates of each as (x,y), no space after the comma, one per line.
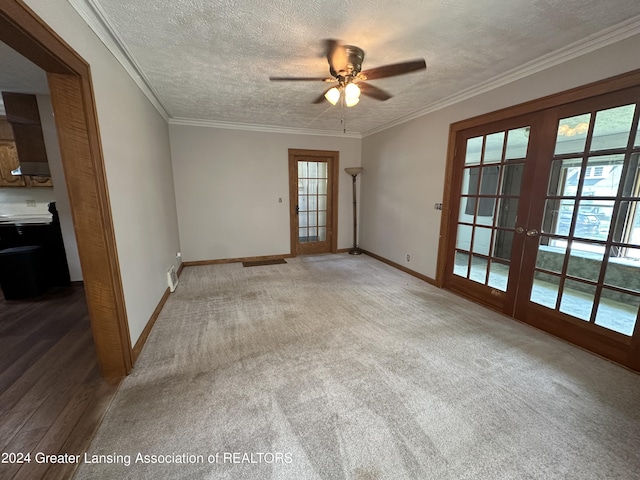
(172,278)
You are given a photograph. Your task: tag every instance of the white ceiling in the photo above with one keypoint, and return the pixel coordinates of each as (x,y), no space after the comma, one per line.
(19,75)
(208,61)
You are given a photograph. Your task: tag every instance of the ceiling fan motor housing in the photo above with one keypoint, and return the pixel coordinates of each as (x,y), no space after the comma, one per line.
(355,57)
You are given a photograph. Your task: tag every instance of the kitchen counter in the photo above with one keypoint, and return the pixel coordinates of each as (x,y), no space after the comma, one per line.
(26,219)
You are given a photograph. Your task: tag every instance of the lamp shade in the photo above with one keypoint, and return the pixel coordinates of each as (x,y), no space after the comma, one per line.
(333,95)
(353,170)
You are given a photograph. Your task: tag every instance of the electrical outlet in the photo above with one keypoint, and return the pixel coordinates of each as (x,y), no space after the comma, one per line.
(408,257)
(279,199)
(178,255)
(31,203)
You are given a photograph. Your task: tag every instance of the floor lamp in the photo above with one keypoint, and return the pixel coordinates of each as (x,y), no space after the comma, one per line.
(354,171)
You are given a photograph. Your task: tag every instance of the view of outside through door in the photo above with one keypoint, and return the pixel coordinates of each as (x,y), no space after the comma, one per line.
(491,182)
(588,257)
(312,201)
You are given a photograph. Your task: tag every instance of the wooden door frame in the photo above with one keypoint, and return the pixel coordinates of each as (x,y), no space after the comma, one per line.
(334,167)
(71,91)
(607,86)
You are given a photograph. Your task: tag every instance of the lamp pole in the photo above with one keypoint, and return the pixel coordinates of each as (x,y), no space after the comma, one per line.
(354,171)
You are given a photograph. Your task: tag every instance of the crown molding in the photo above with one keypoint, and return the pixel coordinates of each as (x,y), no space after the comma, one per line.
(96,18)
(194,122)
(598,40)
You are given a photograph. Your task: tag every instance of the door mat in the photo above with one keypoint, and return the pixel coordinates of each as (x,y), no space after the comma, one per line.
(259,263)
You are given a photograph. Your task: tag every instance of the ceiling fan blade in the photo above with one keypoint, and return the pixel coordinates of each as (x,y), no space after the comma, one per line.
(300,79)
(336,56)
(374,92)
(394,69)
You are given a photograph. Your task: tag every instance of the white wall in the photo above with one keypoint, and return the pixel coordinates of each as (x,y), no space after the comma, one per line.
(228,183)
(404,166)
(61,196)
(135,143)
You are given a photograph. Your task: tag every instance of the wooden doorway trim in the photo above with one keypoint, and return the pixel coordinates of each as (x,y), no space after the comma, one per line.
(334,167)
(71,92)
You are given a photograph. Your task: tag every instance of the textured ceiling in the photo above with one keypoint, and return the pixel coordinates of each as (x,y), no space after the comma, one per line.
(209,60)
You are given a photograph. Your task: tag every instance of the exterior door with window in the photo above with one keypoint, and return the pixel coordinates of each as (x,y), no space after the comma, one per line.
(496,166)
(583,263)
(313,201)
(551,234)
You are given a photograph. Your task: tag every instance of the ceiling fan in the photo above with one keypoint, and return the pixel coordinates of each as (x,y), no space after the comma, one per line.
(345,67)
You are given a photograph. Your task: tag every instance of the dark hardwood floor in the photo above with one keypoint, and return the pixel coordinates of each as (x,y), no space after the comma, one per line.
(52,397)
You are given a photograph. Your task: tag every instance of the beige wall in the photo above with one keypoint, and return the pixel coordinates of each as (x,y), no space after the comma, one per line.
(135,142)
(228,183)
(60,194)
(404,166)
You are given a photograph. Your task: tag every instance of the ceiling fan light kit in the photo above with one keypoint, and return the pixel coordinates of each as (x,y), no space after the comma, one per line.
(345,65)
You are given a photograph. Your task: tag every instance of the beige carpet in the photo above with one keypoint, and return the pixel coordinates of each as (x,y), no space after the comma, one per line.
(341,367)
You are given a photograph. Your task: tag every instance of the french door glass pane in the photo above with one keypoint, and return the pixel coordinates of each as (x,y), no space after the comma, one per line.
(545,289)
(322,234)
(482,240)
(551,254)
(512,179)
(623,271)
(627,225)
(470,179)
(461,265)
(478,269)
(463,240)
(303,171)
(517,143)
(493,148)
(498,275)
(572,134)
(558,215)
(507,212)
(322,219)
(502,244)
(618,311)
(612,128)
(565,177)
(577,299)
(586,264)
(603,176)
(474,151)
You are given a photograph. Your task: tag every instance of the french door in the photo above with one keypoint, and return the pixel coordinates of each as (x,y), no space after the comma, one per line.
(313,191)
(547,221)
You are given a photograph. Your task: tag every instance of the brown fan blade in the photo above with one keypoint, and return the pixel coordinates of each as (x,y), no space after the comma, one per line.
(374,92)
(336,56)
(395,69)
(300,79)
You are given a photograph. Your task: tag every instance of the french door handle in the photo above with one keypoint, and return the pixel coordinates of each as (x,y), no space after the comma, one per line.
(519,229)
(532,233)
(297,209)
